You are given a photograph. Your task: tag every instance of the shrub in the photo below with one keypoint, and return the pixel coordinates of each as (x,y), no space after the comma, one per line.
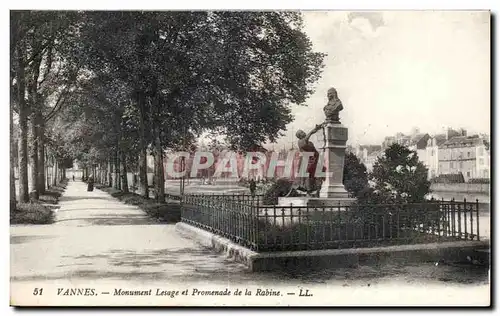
(479,180)
(399,175)
(52,195)
(277,189)
(355,177)
(32,213)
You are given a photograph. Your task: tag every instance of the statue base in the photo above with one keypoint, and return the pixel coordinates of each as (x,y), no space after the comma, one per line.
(332,204)
(333,191)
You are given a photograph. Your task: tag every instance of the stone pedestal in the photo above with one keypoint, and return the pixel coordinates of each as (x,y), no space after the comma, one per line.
(334,154)
(315,202)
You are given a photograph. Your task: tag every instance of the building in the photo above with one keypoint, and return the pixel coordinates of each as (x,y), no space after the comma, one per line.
(367,154)
(430,157)
(371,159)
(483,159)
(388,141)
(414,141)
(469,155)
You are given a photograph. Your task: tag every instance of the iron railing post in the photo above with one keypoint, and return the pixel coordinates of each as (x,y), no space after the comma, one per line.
(465,219)
(477,218)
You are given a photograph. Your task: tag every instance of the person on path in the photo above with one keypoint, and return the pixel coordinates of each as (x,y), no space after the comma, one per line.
(90,186)
(253,186)
(73,178)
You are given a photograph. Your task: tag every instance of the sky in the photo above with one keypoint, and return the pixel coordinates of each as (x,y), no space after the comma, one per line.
(395,70)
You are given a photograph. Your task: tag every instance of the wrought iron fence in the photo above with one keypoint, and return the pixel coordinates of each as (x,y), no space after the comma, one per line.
(255,199)
(245,221)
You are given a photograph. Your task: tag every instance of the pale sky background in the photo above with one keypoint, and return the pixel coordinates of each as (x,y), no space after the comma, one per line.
(395,70)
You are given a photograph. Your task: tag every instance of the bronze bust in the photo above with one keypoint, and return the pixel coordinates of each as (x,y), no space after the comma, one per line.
(333,107)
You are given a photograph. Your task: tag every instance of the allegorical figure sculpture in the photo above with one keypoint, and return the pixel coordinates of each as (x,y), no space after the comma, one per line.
(333,107)
(305,145)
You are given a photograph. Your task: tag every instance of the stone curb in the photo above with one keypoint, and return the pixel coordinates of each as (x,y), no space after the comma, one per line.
(254,261)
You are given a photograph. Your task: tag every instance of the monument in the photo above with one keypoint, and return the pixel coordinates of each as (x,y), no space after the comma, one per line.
(332,192)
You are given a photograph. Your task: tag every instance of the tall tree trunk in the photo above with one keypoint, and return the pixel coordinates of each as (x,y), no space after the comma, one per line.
(123,161)
(104,172)
(160,177)
(34,158)
(41,156)
(101,174)
(110,172)
(143,166)
(13,148)
(12,163)
(117,171)
(47,175)
(23,126)
(36,118)
(54,172)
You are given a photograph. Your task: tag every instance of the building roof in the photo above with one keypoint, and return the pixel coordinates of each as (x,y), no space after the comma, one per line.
(376,153)
(440,139)
(417,137)
(465,141)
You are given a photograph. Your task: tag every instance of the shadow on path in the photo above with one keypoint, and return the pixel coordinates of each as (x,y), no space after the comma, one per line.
(79,198)
(14,240)
(113,220)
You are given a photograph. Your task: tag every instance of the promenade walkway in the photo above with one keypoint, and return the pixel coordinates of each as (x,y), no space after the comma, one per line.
(96,236)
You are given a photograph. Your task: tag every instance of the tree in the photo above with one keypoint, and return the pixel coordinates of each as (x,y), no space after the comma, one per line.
(236,73)
(42,70)
(400,176)
(17,54)
(355,176)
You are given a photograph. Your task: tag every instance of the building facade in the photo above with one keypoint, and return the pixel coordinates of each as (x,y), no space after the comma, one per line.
(430,157)
(367,154)
(468,155)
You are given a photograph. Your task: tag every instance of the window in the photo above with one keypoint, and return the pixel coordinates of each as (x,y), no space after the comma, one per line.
(481,161)
(452,165)
(468,174)
(480,151)
(468,154)
(461,165)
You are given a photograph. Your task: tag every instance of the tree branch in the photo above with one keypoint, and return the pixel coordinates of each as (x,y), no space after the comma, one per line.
(57,106)
(48,66)
(35,55)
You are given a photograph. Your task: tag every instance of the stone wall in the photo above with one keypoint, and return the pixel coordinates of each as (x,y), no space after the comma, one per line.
(461,187)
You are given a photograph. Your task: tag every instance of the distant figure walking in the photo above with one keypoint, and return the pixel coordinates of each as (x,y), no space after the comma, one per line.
(253,186)
(73,178)
(90,186)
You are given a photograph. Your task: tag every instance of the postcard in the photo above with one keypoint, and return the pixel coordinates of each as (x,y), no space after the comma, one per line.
(250,158)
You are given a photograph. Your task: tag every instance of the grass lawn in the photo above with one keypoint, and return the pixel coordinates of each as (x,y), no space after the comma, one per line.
(39,211)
